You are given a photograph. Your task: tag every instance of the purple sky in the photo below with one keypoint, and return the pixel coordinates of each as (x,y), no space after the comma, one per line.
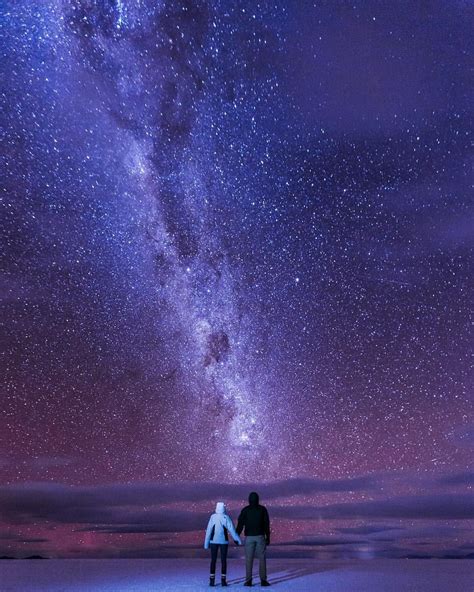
(237,255)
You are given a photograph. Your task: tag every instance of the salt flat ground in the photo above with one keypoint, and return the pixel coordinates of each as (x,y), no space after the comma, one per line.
(173,575)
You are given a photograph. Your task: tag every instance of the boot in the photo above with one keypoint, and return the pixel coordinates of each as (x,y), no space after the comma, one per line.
(212,580)
(265,583)
(248,583)
(223,580)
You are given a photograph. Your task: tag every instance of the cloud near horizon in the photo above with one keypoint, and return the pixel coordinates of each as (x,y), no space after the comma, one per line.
(414,507)
(147,493)
(135,508)
(342,526)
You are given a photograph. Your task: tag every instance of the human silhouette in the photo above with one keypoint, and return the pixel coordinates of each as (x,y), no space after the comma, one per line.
(254,518)
(217,538)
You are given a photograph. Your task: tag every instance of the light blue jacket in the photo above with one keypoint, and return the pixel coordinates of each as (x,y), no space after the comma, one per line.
(219,524)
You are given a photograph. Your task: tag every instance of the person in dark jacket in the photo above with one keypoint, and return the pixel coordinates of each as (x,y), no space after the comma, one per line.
(254,518)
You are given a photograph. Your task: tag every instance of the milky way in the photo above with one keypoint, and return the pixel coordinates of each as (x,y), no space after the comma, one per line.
(237,241)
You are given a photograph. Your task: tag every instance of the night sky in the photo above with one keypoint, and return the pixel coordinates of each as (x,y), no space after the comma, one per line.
(237,254)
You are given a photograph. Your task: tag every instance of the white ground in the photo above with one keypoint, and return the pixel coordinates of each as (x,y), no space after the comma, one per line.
(173,575)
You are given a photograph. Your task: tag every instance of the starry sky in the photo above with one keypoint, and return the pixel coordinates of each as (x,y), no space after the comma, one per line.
(236,254)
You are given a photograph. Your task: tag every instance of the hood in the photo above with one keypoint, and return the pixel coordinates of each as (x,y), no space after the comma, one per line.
(220,508)
(253,499)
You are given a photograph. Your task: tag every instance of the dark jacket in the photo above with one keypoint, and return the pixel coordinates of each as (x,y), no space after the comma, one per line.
(254,518)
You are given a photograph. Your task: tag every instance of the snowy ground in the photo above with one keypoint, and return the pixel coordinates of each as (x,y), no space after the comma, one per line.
(172,575)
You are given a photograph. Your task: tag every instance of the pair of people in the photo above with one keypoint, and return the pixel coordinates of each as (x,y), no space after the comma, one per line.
(254,519)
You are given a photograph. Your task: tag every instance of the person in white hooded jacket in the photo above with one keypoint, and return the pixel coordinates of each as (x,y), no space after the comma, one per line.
(220,524)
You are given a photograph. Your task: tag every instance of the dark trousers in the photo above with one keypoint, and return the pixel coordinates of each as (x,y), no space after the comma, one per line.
(214,548)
